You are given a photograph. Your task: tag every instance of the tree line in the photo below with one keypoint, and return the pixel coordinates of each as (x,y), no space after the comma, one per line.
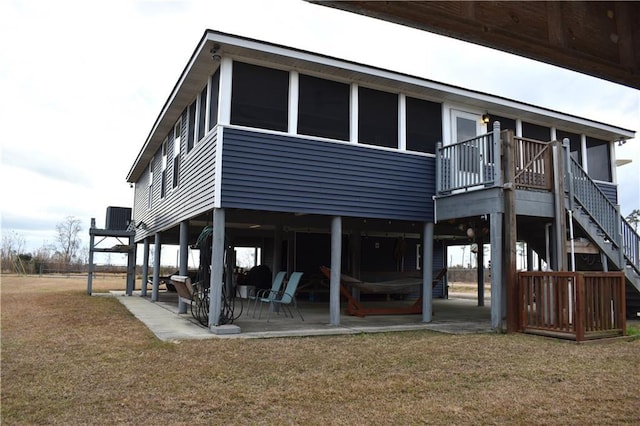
(66,254)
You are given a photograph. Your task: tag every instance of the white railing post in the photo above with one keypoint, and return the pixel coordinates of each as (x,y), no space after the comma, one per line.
(497,166)
(567,170)
(438,167)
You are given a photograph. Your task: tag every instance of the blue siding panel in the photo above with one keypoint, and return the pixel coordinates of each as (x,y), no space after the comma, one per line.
(292,174)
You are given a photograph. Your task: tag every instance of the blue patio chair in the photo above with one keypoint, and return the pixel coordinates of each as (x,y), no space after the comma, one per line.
(284,299)
(268,293)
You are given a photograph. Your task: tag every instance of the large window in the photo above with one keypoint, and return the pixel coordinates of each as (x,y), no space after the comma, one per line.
(575,142)
(191,125)
(202,112)
(505,124)
(163,177)
(213,99)
(424,125)
(175,135)
(534,131)
(377,117)
(150,186)
(323,108)
(598,159)
(259,97)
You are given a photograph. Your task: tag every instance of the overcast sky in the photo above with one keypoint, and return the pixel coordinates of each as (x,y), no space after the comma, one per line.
(82,82)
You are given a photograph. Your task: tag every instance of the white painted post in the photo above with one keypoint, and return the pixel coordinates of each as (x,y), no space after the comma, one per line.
(334,282)
(427,272)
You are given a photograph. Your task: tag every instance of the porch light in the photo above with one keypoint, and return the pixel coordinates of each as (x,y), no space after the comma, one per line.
(486,118)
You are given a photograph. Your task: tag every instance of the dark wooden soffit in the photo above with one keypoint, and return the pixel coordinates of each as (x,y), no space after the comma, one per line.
(601,39)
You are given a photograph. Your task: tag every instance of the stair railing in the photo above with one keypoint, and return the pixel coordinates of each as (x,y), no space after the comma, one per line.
(602,211)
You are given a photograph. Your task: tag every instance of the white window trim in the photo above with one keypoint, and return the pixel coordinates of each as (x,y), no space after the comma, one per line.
(294,95)
(353,117)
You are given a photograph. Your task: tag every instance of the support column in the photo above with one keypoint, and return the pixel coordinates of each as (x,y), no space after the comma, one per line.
(145,267)
(427,272)
(277,250)
(334,282)
(217,267)
(157,247)
(90,272)
(480,265)
(183,266)
(496,270)
(131,266)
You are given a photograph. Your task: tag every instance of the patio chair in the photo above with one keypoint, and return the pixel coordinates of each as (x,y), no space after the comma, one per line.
(284,299)
(259,294)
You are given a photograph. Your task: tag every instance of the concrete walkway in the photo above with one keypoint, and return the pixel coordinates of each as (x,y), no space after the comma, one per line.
(455,316)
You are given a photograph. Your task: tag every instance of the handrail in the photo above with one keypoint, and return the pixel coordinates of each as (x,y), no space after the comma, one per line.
(631,245)
(595,202)
(465,164)
(605,214)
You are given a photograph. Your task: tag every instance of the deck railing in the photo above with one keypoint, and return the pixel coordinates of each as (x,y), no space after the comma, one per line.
(572,305)
(465,165)
(631,245)
(533,167)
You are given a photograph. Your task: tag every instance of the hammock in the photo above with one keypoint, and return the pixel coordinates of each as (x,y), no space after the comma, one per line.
(404,285)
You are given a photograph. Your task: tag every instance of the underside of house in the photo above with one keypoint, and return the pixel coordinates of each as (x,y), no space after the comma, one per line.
(354,174)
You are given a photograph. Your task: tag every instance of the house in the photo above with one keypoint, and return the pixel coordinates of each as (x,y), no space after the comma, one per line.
(322,161)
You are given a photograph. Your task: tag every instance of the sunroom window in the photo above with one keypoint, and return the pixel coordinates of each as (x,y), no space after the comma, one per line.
(213,99)
(536,132)
(202,113)
(424,125)
(598,159)
(259,97)
(323,108)
(575,144)
(377,117)
(191,124)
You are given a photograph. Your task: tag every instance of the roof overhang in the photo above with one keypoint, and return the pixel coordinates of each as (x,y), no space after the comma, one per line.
(597,38)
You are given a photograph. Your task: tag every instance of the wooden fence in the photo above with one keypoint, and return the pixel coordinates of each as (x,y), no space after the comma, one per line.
(572,305)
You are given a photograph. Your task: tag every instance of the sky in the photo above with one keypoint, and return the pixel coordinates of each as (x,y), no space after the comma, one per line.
(82,82)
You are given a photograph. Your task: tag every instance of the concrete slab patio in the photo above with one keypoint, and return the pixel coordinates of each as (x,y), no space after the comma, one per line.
(454,315)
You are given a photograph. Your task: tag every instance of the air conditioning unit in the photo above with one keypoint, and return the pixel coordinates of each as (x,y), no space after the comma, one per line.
(118,218)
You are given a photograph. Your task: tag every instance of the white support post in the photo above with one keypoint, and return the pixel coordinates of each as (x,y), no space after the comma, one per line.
(294,89)
(157,247)
(217,268)
(427,272)
(183,266)
(224,94)
(402,122)
(334,282)
(353,116)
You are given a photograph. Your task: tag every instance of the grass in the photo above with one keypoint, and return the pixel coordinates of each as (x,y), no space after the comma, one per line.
(72,359)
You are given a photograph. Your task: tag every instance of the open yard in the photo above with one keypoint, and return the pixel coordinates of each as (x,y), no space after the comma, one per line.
(72,359)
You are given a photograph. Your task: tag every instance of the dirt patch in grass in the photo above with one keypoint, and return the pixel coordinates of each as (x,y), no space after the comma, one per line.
(73,359)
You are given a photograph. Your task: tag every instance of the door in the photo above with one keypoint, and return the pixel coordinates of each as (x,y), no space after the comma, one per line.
(468,158)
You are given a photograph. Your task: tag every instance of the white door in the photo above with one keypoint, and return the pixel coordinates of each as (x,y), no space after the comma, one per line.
(468,162)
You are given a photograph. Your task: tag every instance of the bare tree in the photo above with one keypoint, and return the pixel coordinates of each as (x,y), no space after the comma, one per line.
(12,245)
(634,218)
(68,237)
